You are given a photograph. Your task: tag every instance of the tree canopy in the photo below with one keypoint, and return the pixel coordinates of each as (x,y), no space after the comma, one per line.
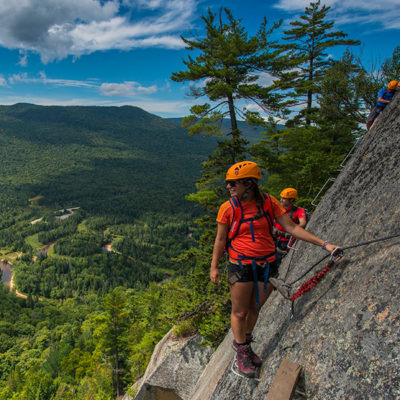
(303,59)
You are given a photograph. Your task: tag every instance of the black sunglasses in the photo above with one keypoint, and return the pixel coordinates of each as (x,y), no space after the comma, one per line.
(235,182)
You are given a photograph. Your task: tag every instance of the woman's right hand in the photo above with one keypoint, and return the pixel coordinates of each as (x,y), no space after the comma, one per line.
(215,275)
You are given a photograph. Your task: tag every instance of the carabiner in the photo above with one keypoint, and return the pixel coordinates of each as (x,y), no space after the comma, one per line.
(336,255)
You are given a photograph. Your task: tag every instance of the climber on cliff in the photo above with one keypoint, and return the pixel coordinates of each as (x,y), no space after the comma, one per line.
(296,214)
(245,230)
(385,96)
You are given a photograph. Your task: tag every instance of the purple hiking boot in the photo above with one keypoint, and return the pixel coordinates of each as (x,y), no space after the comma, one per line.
(254,357)
(245,365)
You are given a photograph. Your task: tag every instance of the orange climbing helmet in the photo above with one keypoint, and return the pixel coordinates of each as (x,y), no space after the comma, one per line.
(392,85)
(243,169)
(289,193)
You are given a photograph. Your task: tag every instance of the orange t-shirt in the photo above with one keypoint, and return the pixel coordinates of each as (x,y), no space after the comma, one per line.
(242,242)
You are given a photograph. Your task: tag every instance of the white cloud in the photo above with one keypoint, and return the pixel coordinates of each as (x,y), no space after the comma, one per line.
(125,89)
(42,79)
(265,79)
(292,5)
(128,89)
(384,15)
(58,28)
(23,58)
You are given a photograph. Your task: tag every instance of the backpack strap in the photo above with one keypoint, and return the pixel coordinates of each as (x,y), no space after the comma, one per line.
(237,217)
(292,211)
(267,214)
(237,221)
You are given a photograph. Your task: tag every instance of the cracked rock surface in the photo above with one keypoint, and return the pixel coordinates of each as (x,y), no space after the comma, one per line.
(345,332)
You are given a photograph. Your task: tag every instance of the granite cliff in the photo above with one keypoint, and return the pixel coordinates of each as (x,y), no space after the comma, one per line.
(345,332)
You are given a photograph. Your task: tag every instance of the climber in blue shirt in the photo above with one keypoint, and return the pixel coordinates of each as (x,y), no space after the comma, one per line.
(385,96)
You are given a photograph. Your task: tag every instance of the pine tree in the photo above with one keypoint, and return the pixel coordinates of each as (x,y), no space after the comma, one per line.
(304,60)
(305,156)
(391,66)
(226,69)
(341,96)
(115,339)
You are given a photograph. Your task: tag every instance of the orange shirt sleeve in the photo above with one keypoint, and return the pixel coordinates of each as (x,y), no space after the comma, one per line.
(225,214)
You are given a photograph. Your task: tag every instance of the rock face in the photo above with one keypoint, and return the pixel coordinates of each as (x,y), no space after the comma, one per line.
(174,369)
(345,332)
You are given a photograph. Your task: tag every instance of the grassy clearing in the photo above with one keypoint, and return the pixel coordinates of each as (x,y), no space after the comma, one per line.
(82,227)
(34,241)
(10,257)
(35,199)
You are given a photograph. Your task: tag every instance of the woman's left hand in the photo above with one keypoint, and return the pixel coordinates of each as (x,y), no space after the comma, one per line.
(330,247)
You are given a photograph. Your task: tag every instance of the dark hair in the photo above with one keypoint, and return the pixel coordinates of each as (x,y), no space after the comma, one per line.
(259,199)
(258,196)
(253,187)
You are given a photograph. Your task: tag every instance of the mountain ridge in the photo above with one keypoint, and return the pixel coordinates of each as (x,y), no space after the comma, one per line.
(91,141)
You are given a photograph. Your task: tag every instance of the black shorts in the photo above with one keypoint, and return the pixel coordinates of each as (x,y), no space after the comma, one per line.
(373,114)
(247,271)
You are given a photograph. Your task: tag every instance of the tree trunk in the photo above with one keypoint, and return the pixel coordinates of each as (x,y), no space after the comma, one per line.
(232,115)
(310,79)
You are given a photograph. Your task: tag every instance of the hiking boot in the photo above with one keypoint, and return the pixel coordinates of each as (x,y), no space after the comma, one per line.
(254,357)
(245,365)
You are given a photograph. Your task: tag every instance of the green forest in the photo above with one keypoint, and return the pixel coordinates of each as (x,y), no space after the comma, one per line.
(108,213)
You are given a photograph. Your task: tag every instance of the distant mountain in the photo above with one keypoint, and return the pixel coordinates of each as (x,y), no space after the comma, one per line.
(251,133)
(96,157)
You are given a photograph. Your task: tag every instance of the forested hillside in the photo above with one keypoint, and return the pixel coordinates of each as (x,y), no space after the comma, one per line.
(107,252)
(92,199)
(118,159)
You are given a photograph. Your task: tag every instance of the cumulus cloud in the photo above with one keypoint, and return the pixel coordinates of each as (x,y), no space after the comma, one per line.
(58,28)
(384,15)
(126,89)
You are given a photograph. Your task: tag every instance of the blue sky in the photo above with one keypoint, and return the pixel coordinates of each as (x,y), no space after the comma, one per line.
(118,52)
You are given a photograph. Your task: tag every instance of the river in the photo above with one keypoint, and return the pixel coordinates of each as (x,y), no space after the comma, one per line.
(6,270)
(45,249)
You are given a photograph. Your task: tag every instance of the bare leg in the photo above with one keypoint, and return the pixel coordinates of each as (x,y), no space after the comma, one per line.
(241,297)
(376,120)
(244,307)
(253,312)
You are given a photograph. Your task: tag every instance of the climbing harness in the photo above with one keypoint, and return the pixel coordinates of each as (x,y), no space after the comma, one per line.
(237,220)
(285,288)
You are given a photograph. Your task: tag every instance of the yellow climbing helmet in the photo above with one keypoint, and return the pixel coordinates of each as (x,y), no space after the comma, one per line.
(243,169)
(392,85)
(289,193)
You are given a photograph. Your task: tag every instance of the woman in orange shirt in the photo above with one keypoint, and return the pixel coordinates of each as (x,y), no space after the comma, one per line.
(245,229)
